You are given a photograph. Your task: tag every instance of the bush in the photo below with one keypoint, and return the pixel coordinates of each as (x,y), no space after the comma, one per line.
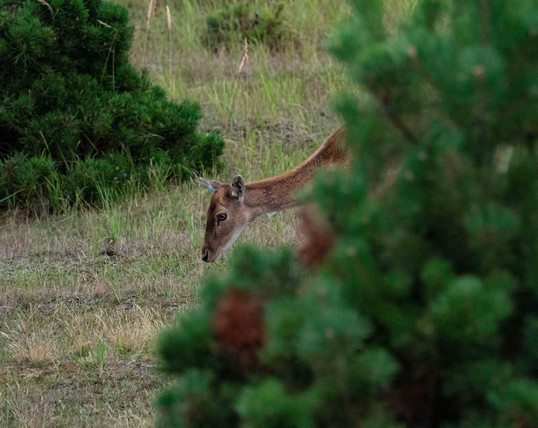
(240,20)
(425,310)
(69,95)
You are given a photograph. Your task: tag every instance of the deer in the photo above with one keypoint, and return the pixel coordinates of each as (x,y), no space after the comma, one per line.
(234,205)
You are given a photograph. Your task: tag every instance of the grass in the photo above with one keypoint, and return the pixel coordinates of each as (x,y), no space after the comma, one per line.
(83,295)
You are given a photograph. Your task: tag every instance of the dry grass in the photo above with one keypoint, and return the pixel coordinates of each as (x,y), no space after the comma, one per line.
(82,296)
(79,315)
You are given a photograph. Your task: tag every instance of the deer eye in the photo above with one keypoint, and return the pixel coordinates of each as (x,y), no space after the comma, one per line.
(221,217)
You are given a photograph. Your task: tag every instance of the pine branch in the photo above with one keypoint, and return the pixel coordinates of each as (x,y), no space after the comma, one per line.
(394,116)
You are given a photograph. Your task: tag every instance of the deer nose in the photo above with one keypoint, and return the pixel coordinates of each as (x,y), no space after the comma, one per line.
(205,254)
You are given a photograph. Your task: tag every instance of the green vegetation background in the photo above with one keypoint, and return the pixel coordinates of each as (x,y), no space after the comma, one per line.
(83,294)
(80,126)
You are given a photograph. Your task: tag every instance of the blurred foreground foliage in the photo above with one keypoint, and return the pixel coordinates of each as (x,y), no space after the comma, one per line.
(78,124)
(424,312)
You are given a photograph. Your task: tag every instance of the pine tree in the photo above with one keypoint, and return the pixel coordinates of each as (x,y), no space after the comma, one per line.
(424,312)
(73,110)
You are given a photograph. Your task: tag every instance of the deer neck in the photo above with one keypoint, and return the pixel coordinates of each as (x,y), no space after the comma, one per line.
(278,193)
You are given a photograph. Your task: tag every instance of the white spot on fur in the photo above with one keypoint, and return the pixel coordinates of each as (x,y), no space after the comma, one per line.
(235,235)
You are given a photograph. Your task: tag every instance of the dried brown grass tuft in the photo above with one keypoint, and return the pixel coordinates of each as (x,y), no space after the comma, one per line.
(243,65)
(134,330)
(168,18)
(151,12)
(36,354)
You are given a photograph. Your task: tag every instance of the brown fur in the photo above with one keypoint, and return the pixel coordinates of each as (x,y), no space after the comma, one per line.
(242,203)
(319,237)
(277,193)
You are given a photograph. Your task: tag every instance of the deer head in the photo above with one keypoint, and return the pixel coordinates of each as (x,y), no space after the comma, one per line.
(226,216)
(232,207)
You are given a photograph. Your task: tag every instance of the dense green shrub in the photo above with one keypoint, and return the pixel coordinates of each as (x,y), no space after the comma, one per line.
(69,98)
(425,311)
(240,20)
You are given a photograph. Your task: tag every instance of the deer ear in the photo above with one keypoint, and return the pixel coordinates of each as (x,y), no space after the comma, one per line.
(212,185)
(238,188)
